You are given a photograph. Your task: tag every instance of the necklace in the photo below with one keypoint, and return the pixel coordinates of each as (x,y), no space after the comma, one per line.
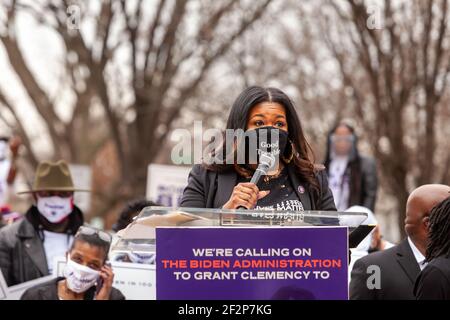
(267,178)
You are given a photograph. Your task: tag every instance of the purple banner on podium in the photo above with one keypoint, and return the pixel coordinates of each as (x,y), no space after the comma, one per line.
(272,263)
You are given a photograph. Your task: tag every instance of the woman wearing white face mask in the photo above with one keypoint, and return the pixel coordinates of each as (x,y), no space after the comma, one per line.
(86,275)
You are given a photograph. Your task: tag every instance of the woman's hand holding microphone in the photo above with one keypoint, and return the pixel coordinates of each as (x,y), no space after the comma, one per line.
(246,195)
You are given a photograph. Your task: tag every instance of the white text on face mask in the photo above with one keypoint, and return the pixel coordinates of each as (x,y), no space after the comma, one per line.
(79,278)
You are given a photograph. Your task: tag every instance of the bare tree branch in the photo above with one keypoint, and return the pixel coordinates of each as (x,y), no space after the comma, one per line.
(19,126)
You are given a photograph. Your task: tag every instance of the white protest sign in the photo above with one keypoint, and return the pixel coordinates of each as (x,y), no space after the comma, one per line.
(135,281)
(3,287)
(165,184)
(15,292)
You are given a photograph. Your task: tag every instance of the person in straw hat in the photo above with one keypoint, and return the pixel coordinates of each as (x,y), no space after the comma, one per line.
(29,247)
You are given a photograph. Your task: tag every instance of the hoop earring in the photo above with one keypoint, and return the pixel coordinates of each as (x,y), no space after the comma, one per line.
(287,161)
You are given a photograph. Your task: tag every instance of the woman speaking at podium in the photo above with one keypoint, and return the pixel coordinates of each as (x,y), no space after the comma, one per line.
(293,183)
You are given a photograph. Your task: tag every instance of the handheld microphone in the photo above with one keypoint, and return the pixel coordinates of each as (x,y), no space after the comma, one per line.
(266,162)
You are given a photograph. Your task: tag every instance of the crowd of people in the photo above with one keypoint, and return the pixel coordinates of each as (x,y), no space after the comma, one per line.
(416,268)
(54,227)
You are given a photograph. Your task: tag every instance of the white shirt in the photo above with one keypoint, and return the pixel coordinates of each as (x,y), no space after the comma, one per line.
(56,245)
(420,258)
(388,245)
(338,183)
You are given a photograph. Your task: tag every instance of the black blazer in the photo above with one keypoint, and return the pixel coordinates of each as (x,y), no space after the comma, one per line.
(209,189)
(433,282)
(49,291)
(398,272)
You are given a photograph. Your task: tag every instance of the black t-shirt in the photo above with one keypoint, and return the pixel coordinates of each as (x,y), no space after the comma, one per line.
(282,195)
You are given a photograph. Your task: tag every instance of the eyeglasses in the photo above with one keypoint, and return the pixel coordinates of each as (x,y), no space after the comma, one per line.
(89,231)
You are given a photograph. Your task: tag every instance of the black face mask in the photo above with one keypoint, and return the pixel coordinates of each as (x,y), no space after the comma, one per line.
(268,140)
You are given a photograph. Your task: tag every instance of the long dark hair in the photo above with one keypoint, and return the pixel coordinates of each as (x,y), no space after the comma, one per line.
(131,210)
(303,155)
(354,163)
(354,151)
(439,231)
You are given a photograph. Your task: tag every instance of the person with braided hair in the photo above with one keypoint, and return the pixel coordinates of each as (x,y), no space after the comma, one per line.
(400,265)
(433,282)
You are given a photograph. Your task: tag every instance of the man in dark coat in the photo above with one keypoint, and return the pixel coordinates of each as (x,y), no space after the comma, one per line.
(399,266)
(29,247)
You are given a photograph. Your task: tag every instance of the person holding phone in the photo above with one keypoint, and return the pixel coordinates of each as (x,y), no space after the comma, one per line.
(87,275)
